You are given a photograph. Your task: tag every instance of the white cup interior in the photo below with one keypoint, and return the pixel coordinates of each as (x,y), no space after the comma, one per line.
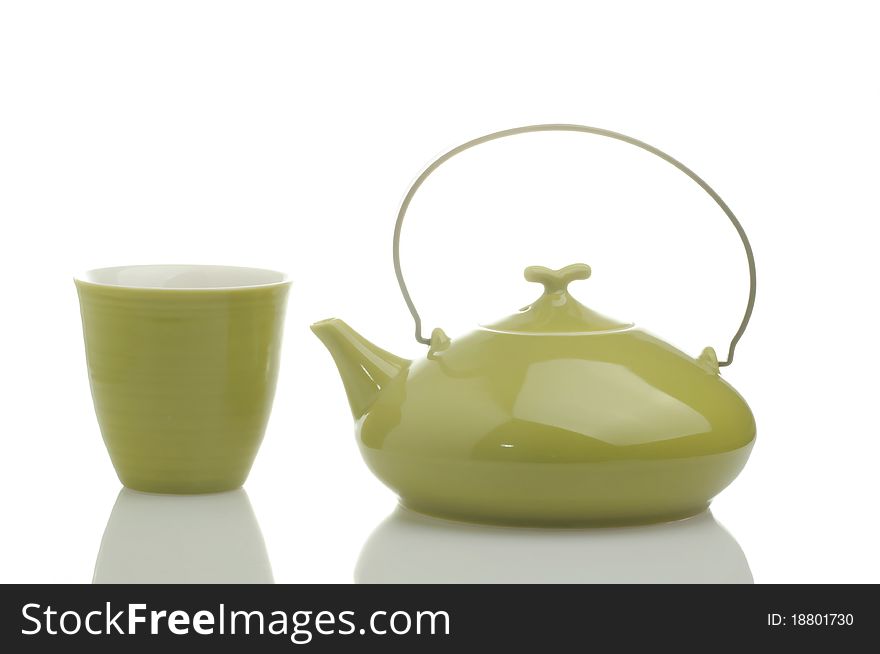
(183,277)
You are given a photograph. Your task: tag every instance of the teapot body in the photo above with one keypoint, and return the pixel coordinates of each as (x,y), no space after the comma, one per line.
(604,428)
(556,415)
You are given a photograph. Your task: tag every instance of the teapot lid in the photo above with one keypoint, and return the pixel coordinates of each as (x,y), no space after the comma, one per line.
(556,311)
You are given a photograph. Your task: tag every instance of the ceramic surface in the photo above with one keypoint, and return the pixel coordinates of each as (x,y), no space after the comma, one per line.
(182,362)
(555,416)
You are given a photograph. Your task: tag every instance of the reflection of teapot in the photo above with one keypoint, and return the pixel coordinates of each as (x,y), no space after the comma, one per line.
(556,415)
(209,538)
(412,548)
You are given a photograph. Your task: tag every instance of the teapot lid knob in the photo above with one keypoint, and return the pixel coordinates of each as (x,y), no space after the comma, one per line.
(556,312)
(556,281)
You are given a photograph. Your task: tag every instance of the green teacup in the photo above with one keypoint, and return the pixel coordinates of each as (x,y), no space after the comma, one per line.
(182,363)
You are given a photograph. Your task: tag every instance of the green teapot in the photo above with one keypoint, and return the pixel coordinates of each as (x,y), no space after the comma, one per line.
(555,416)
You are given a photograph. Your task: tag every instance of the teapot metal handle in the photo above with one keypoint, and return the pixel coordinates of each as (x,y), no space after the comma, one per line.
(588,130)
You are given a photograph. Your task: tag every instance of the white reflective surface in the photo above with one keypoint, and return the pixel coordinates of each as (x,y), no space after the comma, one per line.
(211,538)
(411,548)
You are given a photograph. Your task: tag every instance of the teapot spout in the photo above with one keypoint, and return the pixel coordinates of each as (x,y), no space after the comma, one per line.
(364,367)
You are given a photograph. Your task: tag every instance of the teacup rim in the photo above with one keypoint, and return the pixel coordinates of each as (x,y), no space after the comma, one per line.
(84,278)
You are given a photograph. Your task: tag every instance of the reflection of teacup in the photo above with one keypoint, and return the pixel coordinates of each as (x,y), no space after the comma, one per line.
(210,538)
(413,548)
(182,363)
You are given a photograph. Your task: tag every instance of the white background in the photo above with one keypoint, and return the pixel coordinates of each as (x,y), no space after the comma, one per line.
(284,135)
